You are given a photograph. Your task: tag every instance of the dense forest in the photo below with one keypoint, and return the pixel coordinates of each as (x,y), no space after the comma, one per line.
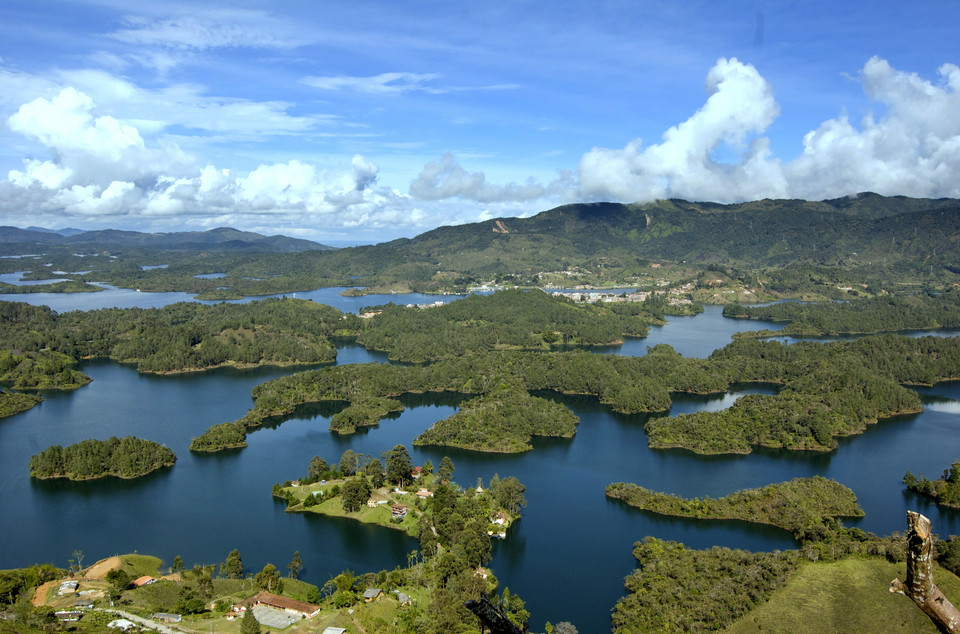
(679,589)
(891,260)
(676,589)
(826,390)
(40,370)
(506,320)
(502,421)
(884,313)
(127,457)
(799,505)
(15,402)
(40,344)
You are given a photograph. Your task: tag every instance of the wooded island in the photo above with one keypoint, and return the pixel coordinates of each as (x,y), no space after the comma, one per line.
(126,458)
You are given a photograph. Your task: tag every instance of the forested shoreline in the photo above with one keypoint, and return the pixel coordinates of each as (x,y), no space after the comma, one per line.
(15,402)
(177,338)
(800,505)
(503,421)
(883,313)
(945,490)
(826,390)
(505,368)
(126,458)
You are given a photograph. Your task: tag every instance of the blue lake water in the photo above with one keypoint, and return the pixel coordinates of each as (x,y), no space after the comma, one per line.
(566,558)
(113,297)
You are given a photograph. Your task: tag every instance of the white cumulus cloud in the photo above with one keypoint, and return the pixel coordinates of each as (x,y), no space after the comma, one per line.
(740,105)
(912,149)
(101,167)
(89,150)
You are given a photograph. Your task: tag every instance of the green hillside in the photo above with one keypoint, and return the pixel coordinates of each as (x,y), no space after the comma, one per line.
(851,595)
(781,245)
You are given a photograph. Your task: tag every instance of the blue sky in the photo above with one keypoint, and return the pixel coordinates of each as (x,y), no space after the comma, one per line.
(357,122)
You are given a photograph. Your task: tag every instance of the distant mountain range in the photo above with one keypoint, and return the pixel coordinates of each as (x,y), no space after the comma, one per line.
(66,231)
(852,230)
(866,238)
(221,239)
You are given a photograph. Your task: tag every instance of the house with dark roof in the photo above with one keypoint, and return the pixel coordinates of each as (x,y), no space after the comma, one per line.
(291,606)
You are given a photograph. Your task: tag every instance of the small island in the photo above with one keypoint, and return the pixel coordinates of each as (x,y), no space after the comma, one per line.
(220,438)
(797,505)
(502,422)
(126,458)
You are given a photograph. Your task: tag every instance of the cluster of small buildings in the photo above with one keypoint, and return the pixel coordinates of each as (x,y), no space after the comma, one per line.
(422,306)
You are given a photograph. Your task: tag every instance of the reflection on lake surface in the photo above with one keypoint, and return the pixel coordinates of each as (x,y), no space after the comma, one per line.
(566,558)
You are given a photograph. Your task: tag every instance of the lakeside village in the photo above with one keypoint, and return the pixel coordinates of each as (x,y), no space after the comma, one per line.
(129,593)
(676,296)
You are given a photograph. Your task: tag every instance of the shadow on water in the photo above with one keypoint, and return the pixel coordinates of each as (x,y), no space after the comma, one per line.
(100,487)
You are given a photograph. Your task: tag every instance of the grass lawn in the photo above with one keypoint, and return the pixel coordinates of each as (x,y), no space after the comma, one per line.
(846,596)
(137,566)
(380,515)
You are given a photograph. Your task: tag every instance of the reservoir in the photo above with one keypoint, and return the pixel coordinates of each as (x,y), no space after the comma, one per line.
(566,557)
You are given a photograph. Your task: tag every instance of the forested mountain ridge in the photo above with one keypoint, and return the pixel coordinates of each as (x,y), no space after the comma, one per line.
(760,233)
(785,247)
(613,242)
(221,239)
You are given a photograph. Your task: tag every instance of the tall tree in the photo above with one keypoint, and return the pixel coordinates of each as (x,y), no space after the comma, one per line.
(349,461)
(295,565)
(77,561)
(399,464)
(269,579)
(119,580)
(511,495)
(318,466)
(249,623)
(356,492)
(446,469)
(374,469)
(205,586)
(232,568)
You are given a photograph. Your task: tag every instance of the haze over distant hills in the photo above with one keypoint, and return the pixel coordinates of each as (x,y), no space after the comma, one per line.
(220,239)
(864,239)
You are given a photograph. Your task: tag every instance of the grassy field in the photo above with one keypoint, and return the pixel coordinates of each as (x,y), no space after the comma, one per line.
(846,596)
(380,515)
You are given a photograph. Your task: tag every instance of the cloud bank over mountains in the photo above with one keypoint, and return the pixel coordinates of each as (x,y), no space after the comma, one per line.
(912,149)
(120,160)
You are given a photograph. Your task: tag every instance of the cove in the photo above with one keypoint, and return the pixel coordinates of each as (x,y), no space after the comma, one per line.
(566,558)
